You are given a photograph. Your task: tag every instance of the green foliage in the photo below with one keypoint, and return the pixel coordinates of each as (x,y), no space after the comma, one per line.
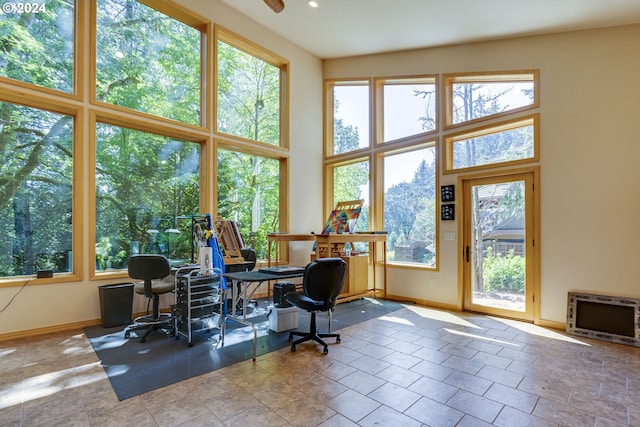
(248,96)
(144,183)
(35,189)
(410,218)
(38,47)
(147,61)
(503,273)
(249,193)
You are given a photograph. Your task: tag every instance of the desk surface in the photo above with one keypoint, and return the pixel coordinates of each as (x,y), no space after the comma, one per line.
(287,237)
(259,276)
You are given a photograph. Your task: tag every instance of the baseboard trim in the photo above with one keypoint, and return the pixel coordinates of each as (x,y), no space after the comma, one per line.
(49,330)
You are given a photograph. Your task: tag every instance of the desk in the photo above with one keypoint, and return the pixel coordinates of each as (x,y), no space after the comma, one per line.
(249,282)
(326,240)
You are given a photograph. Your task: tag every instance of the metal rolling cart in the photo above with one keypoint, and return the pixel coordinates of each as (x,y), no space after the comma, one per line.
(199,302)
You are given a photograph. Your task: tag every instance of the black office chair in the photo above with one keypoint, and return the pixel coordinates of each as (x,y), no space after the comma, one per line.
(149,268)
(321,284)
(250,256)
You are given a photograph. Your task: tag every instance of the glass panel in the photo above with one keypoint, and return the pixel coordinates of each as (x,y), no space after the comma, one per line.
(144,183)
(36,192)
(409,109)
(472,100)
(410,206)
(351,182)
(249,193)
(37,43)
(494,148)
(147,61)
(248,96)
(498,246)
(350,118)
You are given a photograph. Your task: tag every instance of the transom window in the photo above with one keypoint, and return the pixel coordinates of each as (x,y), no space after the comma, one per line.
(470,97)
(38,45)
(348,115)
(408,107)
(510,142)
(250,99)
(148,61)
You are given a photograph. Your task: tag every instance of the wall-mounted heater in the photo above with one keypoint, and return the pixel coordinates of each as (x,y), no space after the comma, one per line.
(603,317)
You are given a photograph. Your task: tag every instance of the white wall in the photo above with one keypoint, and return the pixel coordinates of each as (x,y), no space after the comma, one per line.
(590,193)
(42,306)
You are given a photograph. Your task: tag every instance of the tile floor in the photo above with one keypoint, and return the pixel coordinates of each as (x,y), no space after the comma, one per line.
(415,367)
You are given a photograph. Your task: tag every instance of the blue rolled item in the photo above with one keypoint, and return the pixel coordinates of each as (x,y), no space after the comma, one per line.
(218,259)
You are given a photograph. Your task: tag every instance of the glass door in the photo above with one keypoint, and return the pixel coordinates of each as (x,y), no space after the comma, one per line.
(498,245)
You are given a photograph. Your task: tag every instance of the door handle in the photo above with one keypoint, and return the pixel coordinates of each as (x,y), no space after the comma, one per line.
(466,253)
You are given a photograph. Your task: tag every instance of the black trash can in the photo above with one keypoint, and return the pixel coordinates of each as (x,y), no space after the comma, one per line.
(116,304)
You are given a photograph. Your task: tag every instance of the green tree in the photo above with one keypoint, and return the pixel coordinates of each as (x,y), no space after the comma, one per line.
(147,61)
(128,209)
(249,108)
(35,189)
(410,213)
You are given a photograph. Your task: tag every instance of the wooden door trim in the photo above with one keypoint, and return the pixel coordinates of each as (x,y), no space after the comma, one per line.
(535,234)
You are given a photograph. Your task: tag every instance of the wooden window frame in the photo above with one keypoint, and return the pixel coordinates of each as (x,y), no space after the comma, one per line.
(515,123)
(449,79)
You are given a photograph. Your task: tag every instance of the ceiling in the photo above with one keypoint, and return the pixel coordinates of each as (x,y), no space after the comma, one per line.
(340,28)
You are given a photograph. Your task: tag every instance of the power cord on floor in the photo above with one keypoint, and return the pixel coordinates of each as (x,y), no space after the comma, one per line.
(14,297)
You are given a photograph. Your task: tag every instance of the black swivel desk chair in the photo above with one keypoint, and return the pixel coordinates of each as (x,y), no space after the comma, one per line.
(321,284)
(150,268)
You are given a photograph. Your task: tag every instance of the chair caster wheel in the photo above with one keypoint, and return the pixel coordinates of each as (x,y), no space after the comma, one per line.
(338,340)
(190,344)
(293,348)
(326,350)
(127,335)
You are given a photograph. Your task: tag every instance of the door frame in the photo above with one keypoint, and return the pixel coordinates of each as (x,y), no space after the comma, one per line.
(533,277)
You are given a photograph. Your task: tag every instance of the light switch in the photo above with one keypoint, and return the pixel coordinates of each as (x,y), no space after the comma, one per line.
(449,235)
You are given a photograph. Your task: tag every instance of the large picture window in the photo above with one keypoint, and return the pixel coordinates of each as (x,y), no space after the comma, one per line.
(36,190)
(410,205)
(249,193)
(147,61)
(400,168)
(144,126)
(38,45)
(146,187)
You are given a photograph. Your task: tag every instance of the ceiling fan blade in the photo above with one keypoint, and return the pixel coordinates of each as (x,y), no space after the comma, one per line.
(275,5)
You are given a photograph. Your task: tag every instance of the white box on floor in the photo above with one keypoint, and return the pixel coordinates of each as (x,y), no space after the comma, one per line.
(282,319)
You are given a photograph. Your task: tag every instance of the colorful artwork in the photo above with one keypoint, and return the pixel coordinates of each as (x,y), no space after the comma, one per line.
(341,221)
